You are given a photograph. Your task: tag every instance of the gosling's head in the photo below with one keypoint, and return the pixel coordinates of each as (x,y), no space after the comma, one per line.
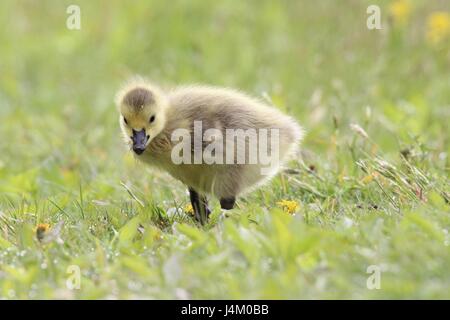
(142,110)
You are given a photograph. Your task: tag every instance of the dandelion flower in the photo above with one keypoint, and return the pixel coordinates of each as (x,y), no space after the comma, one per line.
(288,206)
(400,11)
(41,229)
(438,27)
(189,209)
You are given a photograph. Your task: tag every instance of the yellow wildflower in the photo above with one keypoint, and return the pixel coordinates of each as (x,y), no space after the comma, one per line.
(438,27)
(288,206)
(41,229)
(400,11)
(189,209)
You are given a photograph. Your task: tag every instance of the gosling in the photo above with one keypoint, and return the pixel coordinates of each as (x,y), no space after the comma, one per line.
(216,141)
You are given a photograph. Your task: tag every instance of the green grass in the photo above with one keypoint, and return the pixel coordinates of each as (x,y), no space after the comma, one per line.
(62,158)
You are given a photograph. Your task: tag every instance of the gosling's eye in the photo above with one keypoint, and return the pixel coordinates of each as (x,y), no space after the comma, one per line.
(152,118)
(125,120)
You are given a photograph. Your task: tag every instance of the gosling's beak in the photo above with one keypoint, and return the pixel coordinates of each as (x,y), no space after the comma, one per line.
(140,139)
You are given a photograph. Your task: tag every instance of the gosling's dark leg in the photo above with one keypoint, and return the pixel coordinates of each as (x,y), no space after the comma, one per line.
(227,203)
(200,206)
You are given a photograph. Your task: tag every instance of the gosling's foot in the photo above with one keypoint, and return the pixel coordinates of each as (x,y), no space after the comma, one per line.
(200,206)
(227,203)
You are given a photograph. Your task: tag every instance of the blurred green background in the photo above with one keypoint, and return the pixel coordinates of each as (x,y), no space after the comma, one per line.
(62,158)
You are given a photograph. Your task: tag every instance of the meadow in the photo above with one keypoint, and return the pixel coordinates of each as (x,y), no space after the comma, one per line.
(363,212)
